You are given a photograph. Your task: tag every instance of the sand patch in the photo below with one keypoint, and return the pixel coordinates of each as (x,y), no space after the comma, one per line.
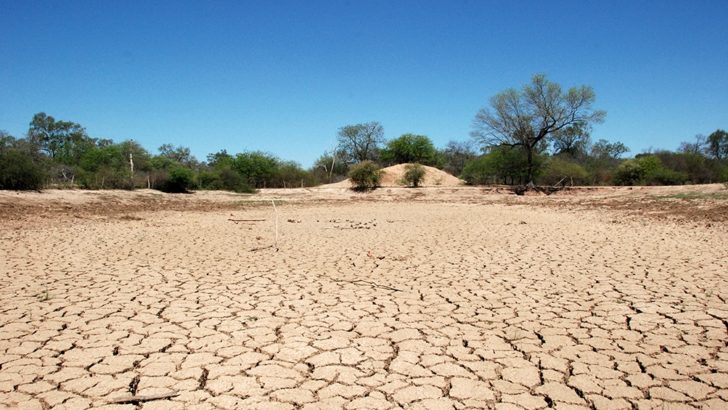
(393,177)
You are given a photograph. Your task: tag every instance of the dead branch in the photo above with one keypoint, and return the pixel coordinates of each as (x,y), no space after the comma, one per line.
(559,184)
(261,248)
(245,220)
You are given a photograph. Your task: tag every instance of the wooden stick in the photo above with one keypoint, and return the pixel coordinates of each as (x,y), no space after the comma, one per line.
(245,220)
(559,183)
(150,397)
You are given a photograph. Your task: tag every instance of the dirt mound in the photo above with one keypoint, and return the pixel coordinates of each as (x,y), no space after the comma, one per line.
(393,176)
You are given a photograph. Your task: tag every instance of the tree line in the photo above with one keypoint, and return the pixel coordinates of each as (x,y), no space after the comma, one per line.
(539,134)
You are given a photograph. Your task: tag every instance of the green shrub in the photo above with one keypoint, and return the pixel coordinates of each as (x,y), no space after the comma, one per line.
(414,174)
(647,170)
(19,171)
(561,170)
(225,179)
(232,181)
(629,173)
(664,176)
(179,180)
(478,171)
(365,175)
(505,165)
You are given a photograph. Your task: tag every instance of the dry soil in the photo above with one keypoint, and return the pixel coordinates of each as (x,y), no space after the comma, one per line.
(402,298)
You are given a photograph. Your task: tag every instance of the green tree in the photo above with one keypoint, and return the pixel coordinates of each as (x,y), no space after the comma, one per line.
(360,142)
(179,154)
(108,166)
(221,174)
(695,166)
(479,171)
(502,164)
(571,141)
(60,140)
(180,180)
(170,158)
(410,148)
(257,168)
(289,174)
(19,171)
(604,149)
(20,167)
(532,116)
(602,161)
(718,144)
(647,169)
(220,159)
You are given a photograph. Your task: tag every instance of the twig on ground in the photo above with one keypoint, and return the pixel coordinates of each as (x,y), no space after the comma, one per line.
(261,248)
(138,399)
(245,220)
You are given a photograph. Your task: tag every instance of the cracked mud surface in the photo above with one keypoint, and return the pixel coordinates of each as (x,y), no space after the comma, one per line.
(364,306)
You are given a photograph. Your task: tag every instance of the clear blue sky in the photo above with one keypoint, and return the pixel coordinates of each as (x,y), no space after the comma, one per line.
(283,76)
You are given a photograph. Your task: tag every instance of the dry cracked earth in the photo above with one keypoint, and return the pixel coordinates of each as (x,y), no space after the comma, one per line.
(364,306)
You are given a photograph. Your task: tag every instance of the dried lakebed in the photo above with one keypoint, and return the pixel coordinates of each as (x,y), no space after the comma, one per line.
(364,306)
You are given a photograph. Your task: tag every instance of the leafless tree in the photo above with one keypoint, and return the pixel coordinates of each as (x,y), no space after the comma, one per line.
(360,142)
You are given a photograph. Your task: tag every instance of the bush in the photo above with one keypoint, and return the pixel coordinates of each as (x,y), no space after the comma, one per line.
(232,181)
(290,175)
(629,173)
(502,164)
(179,180)
(414,174)
(19,171)
(225,179)
(561,170)
(664,176)
(478,171)
(647,170)
(365,175)
(258,169)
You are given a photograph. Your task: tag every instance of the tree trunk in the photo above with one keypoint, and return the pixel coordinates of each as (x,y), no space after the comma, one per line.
(529,177)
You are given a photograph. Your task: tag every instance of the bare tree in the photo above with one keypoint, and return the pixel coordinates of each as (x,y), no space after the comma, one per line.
(531,117)
(699,146)
(456,154)
(360,142)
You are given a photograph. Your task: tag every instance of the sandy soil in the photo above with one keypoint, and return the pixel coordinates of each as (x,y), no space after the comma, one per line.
(426,298)
(394,177)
